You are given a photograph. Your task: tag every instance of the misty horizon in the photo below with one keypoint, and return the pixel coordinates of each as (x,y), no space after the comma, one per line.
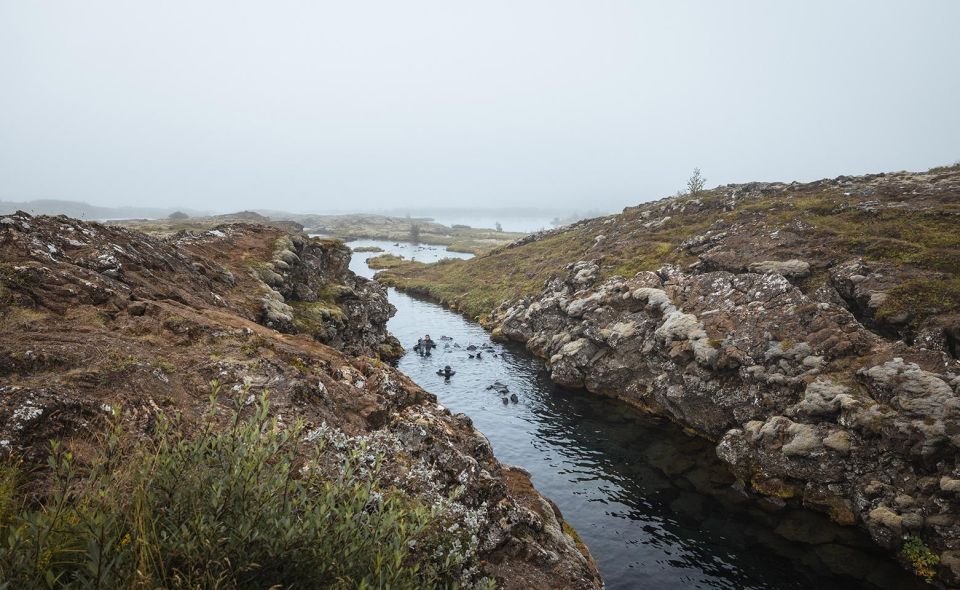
(378,107)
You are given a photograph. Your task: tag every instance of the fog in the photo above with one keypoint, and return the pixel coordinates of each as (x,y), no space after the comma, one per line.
(321,106)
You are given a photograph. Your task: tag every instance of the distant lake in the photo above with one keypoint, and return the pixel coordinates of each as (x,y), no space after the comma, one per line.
(517,224)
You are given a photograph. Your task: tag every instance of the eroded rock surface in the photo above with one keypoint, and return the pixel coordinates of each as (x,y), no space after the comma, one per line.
(803,401)
(96,318)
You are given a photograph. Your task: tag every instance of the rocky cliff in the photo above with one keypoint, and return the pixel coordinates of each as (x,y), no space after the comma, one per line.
(810,330)
(96,318)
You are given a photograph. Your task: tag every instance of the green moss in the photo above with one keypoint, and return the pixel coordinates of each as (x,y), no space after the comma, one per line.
(573,534)
(165,366)
(922,297)
(944,169)
(283,243)
(117,362)
(313,317)
(298,364)
(773,487)
(252,346)
(390,350)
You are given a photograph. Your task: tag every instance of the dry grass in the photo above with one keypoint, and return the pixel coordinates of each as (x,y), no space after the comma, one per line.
(922,236)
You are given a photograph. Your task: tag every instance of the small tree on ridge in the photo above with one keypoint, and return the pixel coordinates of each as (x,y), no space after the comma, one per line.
(695,183)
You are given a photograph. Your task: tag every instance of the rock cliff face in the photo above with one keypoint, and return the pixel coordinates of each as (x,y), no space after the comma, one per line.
(301,286)
(803,401)
(811,330)
(97,317)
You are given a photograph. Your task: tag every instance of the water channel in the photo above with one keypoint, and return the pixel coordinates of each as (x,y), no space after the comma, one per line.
(654,504)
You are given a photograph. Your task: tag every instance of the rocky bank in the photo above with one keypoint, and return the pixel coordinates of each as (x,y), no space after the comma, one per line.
(810,330)
(96,318)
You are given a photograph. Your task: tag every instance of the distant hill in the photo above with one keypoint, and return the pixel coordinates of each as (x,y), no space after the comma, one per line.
(82,210)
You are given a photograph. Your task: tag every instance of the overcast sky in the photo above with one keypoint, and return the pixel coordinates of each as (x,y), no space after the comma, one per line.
(359,105)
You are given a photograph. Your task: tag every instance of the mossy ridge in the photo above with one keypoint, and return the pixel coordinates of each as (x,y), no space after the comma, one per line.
(477,286)
(833,224)
(919,298)
(312,317)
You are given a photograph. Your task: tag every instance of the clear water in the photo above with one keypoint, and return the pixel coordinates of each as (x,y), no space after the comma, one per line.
(654,504)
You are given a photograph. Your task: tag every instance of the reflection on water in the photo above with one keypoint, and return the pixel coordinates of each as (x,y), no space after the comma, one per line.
(654,504)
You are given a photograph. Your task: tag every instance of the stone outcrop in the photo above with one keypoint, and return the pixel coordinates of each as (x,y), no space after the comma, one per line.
(97,319)
(804,402)
(303,286)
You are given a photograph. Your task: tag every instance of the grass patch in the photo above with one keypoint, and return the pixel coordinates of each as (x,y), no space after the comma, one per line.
(944,169)
(828,224)
(919,298)
(477,286)
(384,261)
(233,506)
(313,316)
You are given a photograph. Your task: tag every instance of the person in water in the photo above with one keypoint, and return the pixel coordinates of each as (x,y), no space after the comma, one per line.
(446,372)
(428,342)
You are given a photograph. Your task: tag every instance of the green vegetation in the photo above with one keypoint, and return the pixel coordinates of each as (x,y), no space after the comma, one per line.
(310,317)
(923,561)
(459,238)
(828,225)
(313,317)
(233,505)
(695,183)
(943,169)
(475,245)
(572,532)
(478,286)
(10,281)
(919,298)
(385,261)
(165,366)
(367,249)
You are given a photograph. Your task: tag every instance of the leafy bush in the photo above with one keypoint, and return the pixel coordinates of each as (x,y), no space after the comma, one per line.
(232,505)
(923,561)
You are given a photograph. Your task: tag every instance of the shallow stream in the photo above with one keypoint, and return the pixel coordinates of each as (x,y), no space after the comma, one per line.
(654,504)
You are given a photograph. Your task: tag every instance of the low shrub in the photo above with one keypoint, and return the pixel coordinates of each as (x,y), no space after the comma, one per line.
(923,561)
(234,504)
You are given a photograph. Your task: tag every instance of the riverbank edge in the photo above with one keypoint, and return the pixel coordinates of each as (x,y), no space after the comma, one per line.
(462,245)
(162,319)
(494,322)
